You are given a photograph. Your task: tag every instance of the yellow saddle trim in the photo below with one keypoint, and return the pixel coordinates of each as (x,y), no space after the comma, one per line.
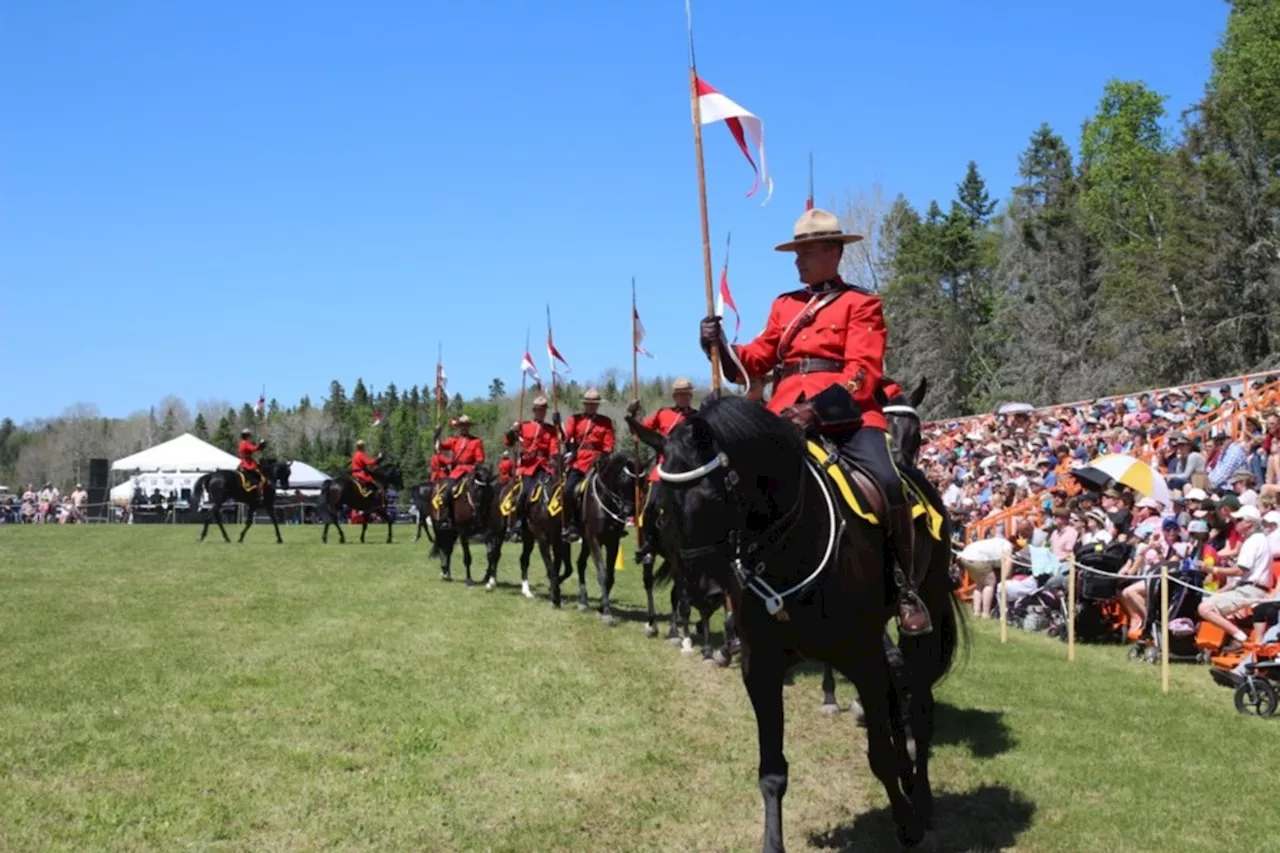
(360,488)
(555,503)
(462,486)
(582,487)
(244,481)
(437,500)
(830,464)
(510,499)
(536,494)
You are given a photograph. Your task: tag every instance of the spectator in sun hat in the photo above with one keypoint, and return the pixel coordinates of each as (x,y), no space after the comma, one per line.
(1242,481)
(1146,517)
(1180,511)
(1251,576)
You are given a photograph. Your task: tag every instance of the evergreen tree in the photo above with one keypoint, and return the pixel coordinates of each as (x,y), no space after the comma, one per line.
(360,395)
(973,199)
(169,426)
(224,437)
(200,428)
(497,389)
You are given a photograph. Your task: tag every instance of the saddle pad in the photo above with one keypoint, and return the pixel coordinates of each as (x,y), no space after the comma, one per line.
(244,481)
(582,487)
(437,501)
(510,500)
(361,490)
(462,486)
(555,503)
(829,463)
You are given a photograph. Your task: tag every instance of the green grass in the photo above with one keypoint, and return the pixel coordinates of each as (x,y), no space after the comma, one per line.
(156,694)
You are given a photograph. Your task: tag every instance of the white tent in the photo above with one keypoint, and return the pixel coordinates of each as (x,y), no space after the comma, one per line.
(184,454)
(303,476)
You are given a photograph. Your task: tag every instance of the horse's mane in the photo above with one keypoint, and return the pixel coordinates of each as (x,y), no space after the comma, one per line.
(753,437)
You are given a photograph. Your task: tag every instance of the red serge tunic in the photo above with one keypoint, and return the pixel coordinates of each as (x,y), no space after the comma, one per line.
(850,329)
(593,434)
(467,450)
(538,443)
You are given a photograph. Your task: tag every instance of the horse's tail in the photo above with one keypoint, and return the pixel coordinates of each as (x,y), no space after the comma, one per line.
(935,653)
(322,508)
(197,491)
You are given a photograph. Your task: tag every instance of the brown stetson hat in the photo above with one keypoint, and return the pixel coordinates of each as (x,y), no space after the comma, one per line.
(817,226)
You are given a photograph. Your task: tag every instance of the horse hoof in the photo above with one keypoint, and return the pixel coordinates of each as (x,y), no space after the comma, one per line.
(470,583)
(859,714)
(721,660)
(490,585)
(606,619)
(927,844)
(582,608)
(686,646)
(830,710)
(675,641)
(710,660)
(651,630)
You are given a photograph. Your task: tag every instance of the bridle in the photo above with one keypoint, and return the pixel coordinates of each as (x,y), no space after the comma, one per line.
(748,549)
(628,473)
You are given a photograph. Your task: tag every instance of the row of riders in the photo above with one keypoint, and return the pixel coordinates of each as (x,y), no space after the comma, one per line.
(804,517)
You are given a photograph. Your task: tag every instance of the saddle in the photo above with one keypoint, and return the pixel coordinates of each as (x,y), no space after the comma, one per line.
(554,498)
(459,489)
(361,489)
(244,481)
(510,500)
(863,495)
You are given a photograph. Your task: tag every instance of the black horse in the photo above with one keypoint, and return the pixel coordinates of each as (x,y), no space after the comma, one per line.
(420,496)
(343,491)
(808,579)
(608,500)
(467,514)
(544,527)
(225,485)
(497,526)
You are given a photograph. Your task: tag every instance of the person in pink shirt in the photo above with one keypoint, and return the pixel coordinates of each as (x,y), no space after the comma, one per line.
(1062,541)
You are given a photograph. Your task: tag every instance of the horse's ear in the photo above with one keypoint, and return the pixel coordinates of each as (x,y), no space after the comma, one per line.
(651,440)
(917,396)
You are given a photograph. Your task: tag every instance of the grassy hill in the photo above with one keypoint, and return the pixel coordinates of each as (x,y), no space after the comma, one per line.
(160,695)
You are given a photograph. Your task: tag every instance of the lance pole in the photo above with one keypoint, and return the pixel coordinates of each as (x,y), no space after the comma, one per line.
(702,194)
(635,390)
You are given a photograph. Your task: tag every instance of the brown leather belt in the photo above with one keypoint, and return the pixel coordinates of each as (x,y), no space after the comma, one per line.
(811,365)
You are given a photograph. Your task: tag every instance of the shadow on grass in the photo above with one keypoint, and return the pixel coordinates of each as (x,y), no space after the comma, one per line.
(984,733)
(987,818)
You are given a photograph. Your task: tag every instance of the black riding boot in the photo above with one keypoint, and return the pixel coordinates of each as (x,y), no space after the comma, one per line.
(573,531)
(913,616)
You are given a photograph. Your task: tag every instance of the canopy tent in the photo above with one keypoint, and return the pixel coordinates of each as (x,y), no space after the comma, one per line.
(303,476)
(185,454)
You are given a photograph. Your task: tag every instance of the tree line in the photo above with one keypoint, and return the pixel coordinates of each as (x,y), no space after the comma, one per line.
(1148,257)
(321,434)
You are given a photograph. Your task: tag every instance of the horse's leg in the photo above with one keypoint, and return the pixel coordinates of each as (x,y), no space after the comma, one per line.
(249,512)
(553,571)
(216,509)
(829,706)
(466,555)
(526,549)
(364,525)
(444,542)
(390,525)
(604,576)
(584,548)
(646,572)
(493,553)
(885,749)
(204,530)
(271,510)
(724,655)
(762,675)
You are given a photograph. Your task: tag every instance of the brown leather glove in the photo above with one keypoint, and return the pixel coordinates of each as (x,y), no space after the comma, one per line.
(633,408)
(709,333)
(803,416)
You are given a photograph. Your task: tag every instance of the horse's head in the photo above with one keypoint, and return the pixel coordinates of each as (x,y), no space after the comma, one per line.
(728,471)
(276,471)
(388,473)
(618,473)
(903,415)
(484,476)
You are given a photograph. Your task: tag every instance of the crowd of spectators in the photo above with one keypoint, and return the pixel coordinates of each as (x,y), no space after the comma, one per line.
(45,506)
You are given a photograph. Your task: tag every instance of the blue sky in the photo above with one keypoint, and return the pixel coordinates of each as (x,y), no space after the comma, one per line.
(337,188)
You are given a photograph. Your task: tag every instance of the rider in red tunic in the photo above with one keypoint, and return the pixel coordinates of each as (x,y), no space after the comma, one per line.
(506,467)
(827,342)
(362,465)
(538,446)
(247,463)
(439,468)
(588,437)
(662,422)
(467,452)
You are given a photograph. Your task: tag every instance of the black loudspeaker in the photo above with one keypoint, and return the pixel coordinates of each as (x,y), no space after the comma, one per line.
(99,494)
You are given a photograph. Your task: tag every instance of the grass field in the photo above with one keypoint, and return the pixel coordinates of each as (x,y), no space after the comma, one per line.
(160,695)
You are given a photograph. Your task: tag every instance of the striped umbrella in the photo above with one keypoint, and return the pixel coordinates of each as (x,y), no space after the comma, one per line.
(1127,471)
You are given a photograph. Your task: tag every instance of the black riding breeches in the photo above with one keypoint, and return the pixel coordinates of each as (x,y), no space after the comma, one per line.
(869,447)
(647,536)
(571,482)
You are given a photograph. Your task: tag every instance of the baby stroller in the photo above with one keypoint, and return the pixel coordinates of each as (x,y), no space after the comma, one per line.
(1182,617)
(1098,617)
(1042,609)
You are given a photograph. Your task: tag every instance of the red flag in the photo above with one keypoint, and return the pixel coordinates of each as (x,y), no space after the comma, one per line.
(808,204)
(377,417)
(713,106)
(528,369)
(554,355)
(726,298)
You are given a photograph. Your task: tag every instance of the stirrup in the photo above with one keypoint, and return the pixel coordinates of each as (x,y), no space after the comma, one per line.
(909,600)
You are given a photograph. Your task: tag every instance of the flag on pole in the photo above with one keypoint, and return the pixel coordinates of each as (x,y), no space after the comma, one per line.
(528,368)
(638,333)
(713,107)
(442,380)
(808,204)
(725,297)
(261,407)
(377,418)
(553,355)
